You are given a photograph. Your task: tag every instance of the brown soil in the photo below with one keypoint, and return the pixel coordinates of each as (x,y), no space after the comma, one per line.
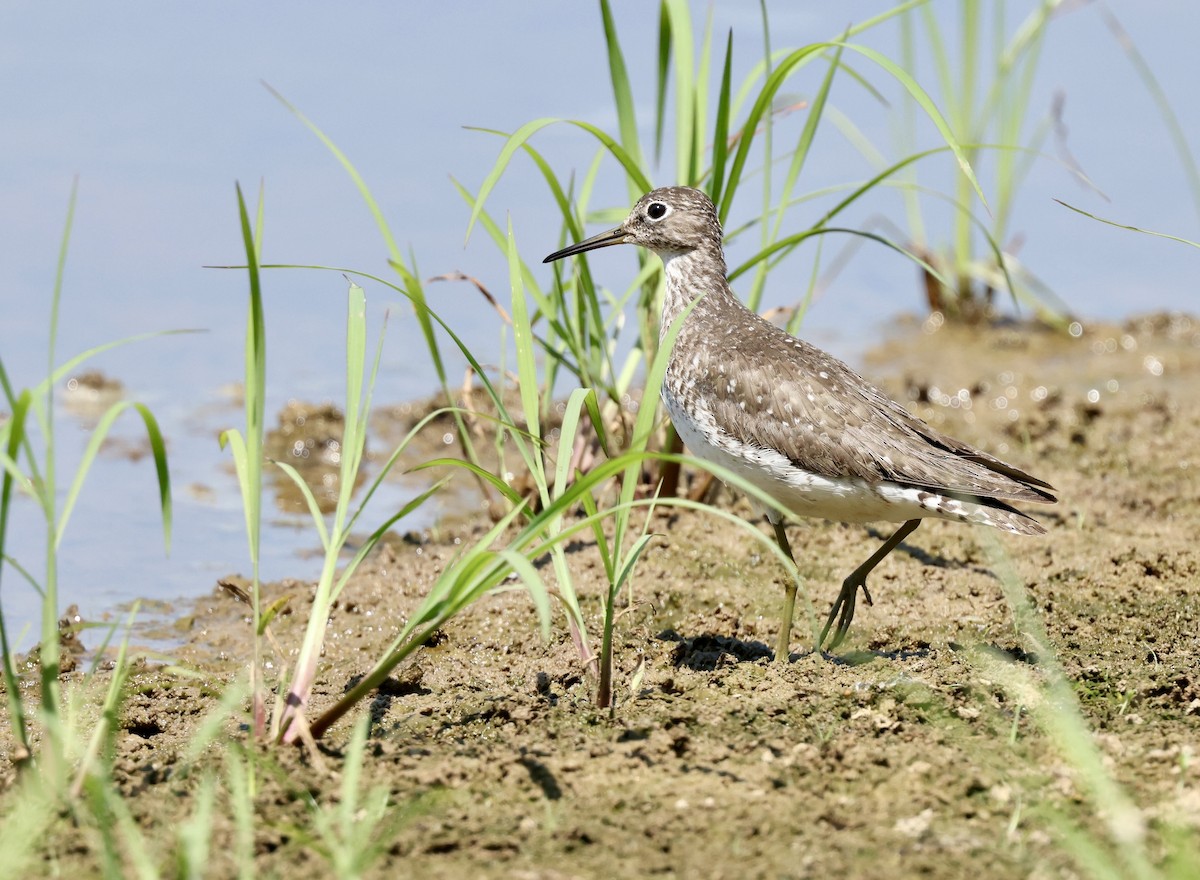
(896,758)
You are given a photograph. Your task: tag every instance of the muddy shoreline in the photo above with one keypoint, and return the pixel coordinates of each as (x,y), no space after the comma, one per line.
(897,757)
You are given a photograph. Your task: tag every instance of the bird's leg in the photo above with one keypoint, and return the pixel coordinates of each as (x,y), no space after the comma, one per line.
(783,646)
(843,607)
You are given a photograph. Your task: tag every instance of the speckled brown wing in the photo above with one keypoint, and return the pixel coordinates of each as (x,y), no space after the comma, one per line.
(795,398)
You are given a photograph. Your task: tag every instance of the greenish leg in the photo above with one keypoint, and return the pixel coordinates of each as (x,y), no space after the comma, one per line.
(843,607)
(783,646)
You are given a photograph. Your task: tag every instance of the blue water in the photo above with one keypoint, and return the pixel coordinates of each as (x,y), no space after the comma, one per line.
(159,116)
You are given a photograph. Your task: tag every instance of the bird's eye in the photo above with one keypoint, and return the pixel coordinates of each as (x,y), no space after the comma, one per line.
(657,211)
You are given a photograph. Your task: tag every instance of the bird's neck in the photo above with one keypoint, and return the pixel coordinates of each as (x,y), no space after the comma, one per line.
(690,275)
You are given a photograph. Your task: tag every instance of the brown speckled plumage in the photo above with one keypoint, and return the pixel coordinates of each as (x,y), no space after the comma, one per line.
(793,420)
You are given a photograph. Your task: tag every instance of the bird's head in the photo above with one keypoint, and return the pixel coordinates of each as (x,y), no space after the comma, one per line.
(671,220)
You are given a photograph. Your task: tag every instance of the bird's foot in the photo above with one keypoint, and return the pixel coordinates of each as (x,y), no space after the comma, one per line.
(843,612)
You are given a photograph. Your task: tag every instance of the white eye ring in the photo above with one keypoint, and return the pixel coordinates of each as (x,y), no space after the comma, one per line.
(654,207)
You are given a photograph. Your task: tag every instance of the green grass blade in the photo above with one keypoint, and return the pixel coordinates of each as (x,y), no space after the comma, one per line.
(15,430)
(791,241)
(31,812)
(567,431)
(926,103)
(526,368)
(631,559)
(369,544)
(109,721)
(534,585)
(69,366)
(11,397)
(647,416)
(762,106)
(355,413)
(236,443)
(458,584)
(662,78)
(195,832)
(561,337)
(480,472)
(241,804)
(588,500)
(514,143)
(310,500)
(622,93)
(99,435)
(412,286)
(249,465)
(816,113)
(392,459)
(720,145)
(1130,228)
(683,45)
(56,298)
(700,103)
(526,131)
(359,183)
(797,318)
(593,408)
(1178,137)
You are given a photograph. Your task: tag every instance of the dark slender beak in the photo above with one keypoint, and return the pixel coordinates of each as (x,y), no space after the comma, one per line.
(604,239)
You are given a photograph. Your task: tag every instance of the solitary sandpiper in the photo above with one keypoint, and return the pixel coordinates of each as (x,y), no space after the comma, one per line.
(796,422)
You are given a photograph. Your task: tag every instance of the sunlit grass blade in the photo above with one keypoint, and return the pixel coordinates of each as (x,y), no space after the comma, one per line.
(526,368)
(459,583)
(1055,707)
(604,690)
(527,386)
(14,430)
(791,241)
(496,482)
(479,371)
(647,416)
(126,849)
(412,287)
(157,450)
(665,42)
(248,449)
(720,145)
(30,814)
(622,92)
(357,399)
(374,538)
(567,431)
(386,468)
(195,832)
(699,114)
(1179,138)
(534,585)
(926,103)
(526,131)
(1130,228)
(103,732)
(762,105)
(310,501)
(683,63)
(563,339)
(241,805)
(816,113)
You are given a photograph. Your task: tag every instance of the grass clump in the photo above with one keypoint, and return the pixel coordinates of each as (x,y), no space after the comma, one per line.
(62,727)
